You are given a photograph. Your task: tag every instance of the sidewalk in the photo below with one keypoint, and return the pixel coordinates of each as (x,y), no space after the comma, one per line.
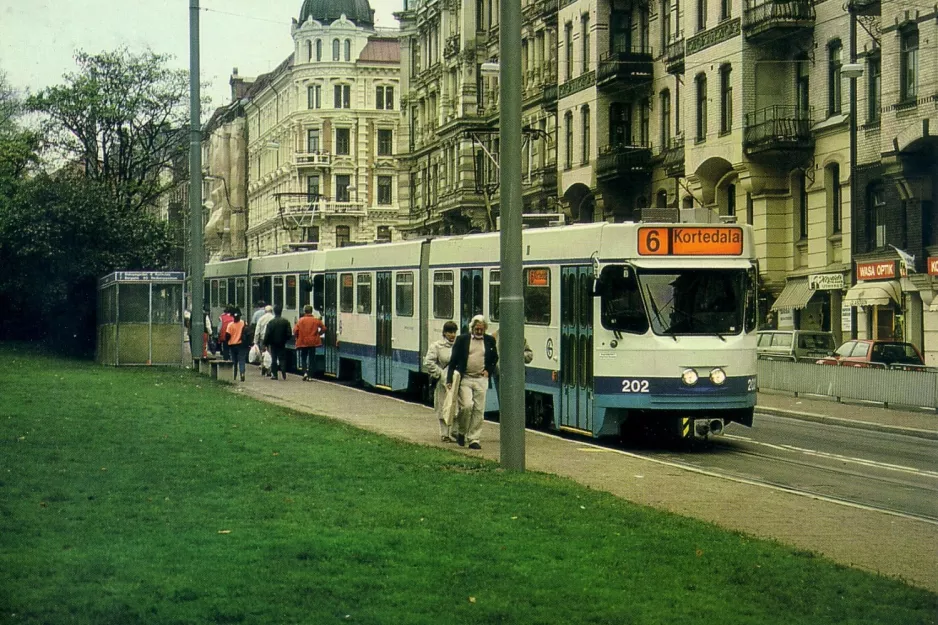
(837,531)
(923,424)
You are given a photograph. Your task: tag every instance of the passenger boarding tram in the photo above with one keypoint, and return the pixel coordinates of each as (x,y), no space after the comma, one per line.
(632,325)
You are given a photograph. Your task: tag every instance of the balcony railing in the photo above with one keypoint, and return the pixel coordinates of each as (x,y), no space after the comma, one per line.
(312,159)
(629,68)
(765,17)
(865,7)
(777,129)
(623,161)
(674,56)
(672,157)
(293,204)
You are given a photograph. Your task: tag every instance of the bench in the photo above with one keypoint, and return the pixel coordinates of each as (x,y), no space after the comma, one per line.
(214,366)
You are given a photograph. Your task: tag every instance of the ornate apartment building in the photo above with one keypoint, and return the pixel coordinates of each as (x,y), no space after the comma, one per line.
(449,142)
(321,132)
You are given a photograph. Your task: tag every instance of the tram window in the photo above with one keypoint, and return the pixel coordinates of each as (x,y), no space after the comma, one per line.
(240,293)
(495,291)
(622,306)
(347,293)
(257,291)
(404,294)
(223,293)
(318,294)
(207,294)
(537,296)
(291,292)
(752,309)
(443,294)
(364,293)
(278,291)
(266,288)
(231,291)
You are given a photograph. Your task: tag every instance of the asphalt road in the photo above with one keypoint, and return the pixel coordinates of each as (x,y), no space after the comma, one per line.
(879,470)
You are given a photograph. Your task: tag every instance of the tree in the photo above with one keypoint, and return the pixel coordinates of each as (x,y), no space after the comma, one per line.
(118,118)
(19,147)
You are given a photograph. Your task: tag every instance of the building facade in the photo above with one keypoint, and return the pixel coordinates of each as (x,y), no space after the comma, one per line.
(322,130)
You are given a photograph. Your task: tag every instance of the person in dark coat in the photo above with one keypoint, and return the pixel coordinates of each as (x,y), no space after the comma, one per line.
(279,331)
(475,356)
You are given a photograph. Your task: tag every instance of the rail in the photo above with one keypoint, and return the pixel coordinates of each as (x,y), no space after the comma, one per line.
(900,385)
(765,13)
(778,125)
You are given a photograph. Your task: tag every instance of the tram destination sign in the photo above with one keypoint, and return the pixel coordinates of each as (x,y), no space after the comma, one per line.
(690,241)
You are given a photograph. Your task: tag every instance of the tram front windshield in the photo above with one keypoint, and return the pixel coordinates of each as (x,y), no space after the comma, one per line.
(685,301)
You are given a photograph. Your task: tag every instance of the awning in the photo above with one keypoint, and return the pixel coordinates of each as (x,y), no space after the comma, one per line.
(874,293)
(796,294)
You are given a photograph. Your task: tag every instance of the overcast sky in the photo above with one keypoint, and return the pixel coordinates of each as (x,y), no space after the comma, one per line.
(39,37)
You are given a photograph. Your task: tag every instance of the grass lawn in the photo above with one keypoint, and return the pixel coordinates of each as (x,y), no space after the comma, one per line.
(157,496)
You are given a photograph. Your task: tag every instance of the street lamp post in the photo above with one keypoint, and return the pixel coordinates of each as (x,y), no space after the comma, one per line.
(511,330)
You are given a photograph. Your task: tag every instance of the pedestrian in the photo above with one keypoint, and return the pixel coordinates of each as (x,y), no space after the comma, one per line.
(206,332)
(237,335)
(223,320)
(258,313)
(276,336)
(308,332)
(474,357)
(260,332)
(437,360)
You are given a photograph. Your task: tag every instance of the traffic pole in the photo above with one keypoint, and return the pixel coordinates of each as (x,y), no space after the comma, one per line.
(197,254)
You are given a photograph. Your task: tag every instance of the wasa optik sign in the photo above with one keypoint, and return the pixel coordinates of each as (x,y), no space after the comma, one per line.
(690,241)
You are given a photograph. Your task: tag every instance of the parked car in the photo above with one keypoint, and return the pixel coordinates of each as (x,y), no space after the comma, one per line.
(794,344)
(872,353)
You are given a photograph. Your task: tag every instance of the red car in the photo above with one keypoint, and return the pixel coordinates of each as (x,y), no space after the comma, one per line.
(871,353)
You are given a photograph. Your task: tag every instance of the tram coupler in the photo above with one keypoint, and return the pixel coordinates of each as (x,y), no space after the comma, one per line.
(701,428)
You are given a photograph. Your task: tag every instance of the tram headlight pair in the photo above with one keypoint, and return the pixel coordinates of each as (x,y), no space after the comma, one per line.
(690,376)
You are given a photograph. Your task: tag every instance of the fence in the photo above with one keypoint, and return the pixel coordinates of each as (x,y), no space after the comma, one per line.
(887,386)
(140,318)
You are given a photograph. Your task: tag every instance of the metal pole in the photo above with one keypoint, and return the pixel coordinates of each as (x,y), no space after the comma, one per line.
(197,254)
(854,209)
(511,329)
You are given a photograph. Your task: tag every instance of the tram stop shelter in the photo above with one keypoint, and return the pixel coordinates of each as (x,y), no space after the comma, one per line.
(140,318)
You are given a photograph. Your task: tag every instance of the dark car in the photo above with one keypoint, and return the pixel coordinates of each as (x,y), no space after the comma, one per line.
(872,353)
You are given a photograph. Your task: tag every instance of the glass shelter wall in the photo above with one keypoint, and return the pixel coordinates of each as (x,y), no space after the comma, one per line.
(140,318)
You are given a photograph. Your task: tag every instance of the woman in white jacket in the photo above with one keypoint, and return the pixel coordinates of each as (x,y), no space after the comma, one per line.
(436,361)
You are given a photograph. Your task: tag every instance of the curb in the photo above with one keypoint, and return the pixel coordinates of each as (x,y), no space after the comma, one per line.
(862,425)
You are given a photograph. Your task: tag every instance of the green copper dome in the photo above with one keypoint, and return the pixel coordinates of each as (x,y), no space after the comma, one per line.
(326,11)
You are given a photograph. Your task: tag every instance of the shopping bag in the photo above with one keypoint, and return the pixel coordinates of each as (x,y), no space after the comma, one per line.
(451,401)
(266,361)
(254,356)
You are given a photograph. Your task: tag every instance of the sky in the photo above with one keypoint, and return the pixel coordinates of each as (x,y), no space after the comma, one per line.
(38,38)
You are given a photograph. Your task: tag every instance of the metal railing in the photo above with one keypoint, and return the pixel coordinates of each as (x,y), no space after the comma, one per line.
(777,126)
(634,64)
(768,14)
(894,386)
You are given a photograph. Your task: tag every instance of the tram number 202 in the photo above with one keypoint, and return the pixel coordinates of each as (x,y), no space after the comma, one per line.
(634,386)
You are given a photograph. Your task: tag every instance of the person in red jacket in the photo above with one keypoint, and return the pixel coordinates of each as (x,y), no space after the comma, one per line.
(308,332)
(223,320)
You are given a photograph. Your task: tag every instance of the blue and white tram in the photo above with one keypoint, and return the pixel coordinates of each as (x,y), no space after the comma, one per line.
(632,325)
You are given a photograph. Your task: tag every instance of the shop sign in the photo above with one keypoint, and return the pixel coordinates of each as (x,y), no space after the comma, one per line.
(826,281)
(933,266)
(846,321)
(877,270)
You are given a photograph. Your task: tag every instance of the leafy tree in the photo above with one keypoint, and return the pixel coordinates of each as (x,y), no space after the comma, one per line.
(19,147)
(119,119)
(58,235)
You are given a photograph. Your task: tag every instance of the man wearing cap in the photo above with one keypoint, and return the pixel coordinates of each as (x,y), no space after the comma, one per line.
(475,356)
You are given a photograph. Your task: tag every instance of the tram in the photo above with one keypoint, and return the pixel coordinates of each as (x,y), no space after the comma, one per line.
(633,325)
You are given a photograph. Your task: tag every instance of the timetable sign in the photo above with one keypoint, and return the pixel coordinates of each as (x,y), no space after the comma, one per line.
(690,241)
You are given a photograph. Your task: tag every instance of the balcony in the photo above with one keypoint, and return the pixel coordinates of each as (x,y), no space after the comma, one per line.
(674,56)
(550,97)
(628,69)
(672,157)
(302,209)
(623,161)
(778,131)
(316,159)
(865,7)
(767,20)
(547,11)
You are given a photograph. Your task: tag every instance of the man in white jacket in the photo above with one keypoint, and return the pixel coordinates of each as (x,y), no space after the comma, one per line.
(259,333)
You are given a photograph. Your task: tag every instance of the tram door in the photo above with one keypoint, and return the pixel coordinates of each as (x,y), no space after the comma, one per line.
(470,297)
(576,347)
(383,346)
(330,318)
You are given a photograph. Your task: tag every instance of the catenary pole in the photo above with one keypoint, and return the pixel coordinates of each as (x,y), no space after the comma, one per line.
(854,205)
(196,255)
(511,328)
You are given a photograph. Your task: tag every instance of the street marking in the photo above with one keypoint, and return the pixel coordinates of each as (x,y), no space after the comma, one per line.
(831,456)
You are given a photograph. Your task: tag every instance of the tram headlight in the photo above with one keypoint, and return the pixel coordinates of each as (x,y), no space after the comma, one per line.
(717,376)
(689,377)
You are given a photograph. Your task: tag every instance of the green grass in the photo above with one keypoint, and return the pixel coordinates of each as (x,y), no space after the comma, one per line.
(156,496)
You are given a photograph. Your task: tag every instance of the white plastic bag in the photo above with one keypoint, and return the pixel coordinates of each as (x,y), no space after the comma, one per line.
(254,356)
(266,361)
(451,401)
